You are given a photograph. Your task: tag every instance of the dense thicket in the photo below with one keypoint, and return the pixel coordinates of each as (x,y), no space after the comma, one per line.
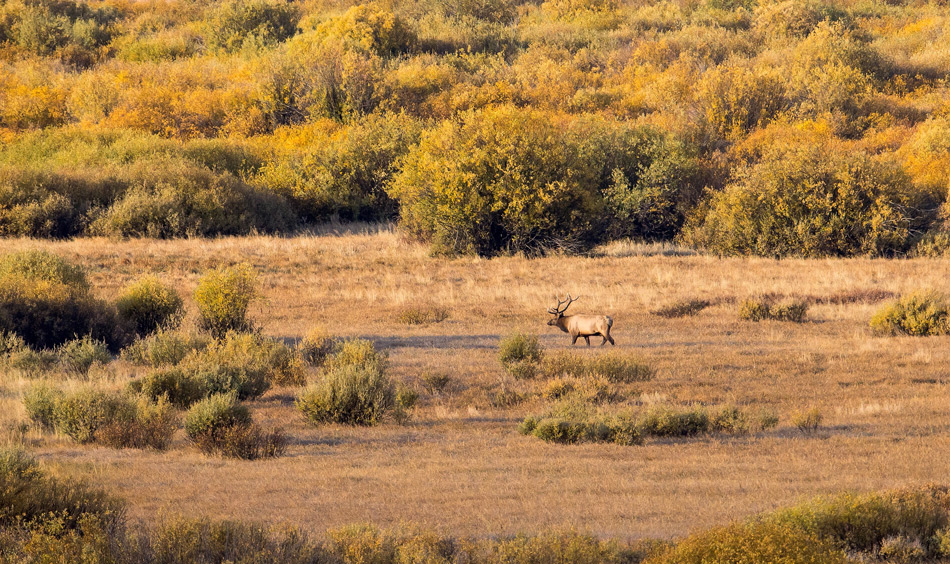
(770,127)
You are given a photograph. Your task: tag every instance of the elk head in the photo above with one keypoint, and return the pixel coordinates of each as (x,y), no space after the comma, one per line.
(558,311)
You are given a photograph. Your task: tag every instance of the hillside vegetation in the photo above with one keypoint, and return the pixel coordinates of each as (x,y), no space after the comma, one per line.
(776,128)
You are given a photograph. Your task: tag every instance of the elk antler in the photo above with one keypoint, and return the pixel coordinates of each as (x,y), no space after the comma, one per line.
(558,309)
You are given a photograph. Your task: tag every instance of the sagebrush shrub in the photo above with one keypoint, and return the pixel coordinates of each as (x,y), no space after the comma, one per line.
(215,413)
(920,313)
(352,395)
(89,415)
(174,385)
(422,315)
(220,424)
(237,23)
(223,297)
(10,343)
(78,356)
(667,421)
(164,348)
(149,305)
(518,350)
(43,266)
(360,353)
(40,402)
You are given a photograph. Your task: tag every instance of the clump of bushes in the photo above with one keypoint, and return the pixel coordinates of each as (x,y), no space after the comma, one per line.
(150,305)
(682,308)
(920,313)
(245,363)
(520,354)
(46,301)
(165,347)
(613,367)
(354,389)
(219,424)
(223,297)
(762,308)
(573,423)
(95,416)
(79,355)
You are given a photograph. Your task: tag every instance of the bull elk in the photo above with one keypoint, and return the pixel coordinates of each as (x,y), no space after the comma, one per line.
(580,325)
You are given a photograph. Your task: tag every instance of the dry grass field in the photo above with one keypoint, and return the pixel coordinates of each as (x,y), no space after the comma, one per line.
(459,466)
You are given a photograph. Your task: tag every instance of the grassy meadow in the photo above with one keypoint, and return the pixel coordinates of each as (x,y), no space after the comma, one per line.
(459,465)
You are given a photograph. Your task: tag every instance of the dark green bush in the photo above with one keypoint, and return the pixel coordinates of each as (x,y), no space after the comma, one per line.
(148,425)
(352,395)
(920,313)
(80,414)
(316,347)
(259,23)
(150,305)
(666,421)
(223,297)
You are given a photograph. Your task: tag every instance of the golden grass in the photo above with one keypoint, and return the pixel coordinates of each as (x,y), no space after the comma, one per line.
(460,465)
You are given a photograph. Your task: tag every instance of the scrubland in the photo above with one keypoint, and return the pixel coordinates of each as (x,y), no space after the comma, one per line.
(459,465)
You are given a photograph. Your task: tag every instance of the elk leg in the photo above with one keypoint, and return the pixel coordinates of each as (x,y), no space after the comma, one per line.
(604,342)
(574,339)
(587,338)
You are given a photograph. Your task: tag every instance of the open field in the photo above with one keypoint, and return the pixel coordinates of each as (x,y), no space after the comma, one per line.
(460,466)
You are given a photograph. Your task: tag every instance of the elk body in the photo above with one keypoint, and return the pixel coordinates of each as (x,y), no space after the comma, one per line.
(585,326)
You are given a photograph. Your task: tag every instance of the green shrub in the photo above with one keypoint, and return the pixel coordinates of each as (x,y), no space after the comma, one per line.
(618,369)
(223,297)
(518,350)
(47,301)
(811,201)
(359,353)
(730,420)
(246,362)
(221,425)
(80,414)
(435,382)
(620,430)
(78,356)
(808,421)
(666,421)
(239,23)
(682,308)
(172,385)
(149,425)
(89,415)
(211,415)
(40,402)
(352,395)
(163,348)
(767,419)
(919,313)
(150,305)
(32,362)
(761,308)
(934,244)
